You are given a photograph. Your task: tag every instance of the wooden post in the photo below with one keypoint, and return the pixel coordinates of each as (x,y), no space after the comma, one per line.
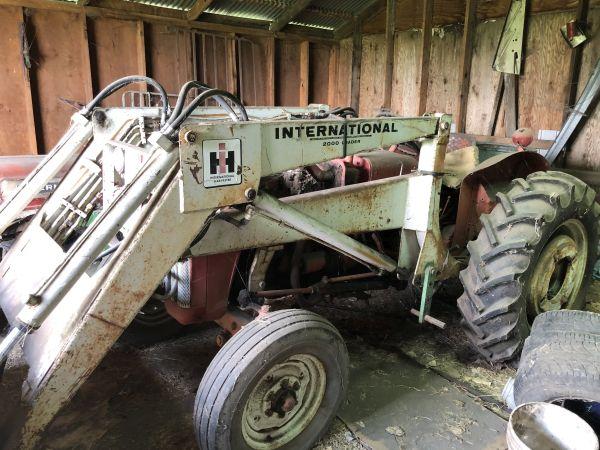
(390,25)
(576,56)
(425,56)
(465,64)
(304,72)
(356,65)
(270,81)
(140,48)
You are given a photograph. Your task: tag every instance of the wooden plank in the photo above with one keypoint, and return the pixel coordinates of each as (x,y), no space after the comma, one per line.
(321,76)
(356,67)
(543,86)
(372,74)
(465,64)
(333,76)
(304,73)
(59,43)
(405,92)
(114,53)
(444,78)
(17,133)
(289,73)
(510,104)
(423,79)
(231,66)
(170,56)
(198,8)
(484,81)
(343,85)
(390,25)
(289,13)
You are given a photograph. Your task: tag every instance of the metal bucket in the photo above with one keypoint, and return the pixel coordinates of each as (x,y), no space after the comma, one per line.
(544,426)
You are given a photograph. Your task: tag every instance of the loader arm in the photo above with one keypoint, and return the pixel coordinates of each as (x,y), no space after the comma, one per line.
(67,307)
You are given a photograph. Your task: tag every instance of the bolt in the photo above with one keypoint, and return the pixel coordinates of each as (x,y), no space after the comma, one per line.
(269,412)
(261,285)
(256,418)
(250,194)
(301,375)
(296,386)
(269,378)
(445,126)
(284,384)
(190,136)
(34,300)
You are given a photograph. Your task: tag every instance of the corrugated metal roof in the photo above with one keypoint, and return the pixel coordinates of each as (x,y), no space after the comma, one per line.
(319,14)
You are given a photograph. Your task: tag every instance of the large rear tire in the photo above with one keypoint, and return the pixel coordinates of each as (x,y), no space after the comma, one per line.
(277,383)
(532,255)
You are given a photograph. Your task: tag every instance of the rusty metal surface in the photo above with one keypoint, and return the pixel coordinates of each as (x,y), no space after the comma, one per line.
(493,174)
(333,207)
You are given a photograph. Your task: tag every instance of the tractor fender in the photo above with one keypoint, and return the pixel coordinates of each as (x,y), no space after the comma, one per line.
(479,187)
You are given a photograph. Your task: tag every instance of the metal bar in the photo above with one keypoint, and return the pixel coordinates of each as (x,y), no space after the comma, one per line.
(580,110)
(10,341)
(72,142)
(277,210)
(97,236)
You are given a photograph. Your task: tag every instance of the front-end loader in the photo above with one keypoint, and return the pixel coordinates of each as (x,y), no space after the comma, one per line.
(219,210)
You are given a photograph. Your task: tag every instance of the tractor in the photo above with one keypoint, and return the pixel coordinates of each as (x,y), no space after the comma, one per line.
(218,211)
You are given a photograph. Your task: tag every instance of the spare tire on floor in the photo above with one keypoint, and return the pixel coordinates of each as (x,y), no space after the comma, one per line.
(557,366)
(534,254)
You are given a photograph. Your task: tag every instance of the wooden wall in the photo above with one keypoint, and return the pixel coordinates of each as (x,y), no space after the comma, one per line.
(52,61)
(542,88)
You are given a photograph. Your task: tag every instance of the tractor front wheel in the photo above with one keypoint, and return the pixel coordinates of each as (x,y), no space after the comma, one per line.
(535,253)
(277,383)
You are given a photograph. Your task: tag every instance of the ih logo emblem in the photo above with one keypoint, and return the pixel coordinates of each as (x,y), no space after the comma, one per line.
(222,162)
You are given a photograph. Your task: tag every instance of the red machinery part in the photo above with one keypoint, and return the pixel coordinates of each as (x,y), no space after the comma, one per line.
(210,282)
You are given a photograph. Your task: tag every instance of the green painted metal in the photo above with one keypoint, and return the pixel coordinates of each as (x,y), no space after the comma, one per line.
(427,292)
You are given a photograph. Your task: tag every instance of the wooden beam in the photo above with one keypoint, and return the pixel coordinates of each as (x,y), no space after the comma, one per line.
(346,30)
(333,76)
(425,56)
(356,65)
(140,45)
(232,69)
(576,56)
(289,13)
(118,9)
(465,64)
(198,8)
(304,72)
(390,25)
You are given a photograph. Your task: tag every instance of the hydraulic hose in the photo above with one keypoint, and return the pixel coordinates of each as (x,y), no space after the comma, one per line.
(174,124)
(187,87)
(121,82)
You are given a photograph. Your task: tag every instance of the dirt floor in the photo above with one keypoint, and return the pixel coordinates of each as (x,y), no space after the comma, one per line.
(411,387)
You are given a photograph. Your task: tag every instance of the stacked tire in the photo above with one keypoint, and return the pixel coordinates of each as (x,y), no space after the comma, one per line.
(560,359)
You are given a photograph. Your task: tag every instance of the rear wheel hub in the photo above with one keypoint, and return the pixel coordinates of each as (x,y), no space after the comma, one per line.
(560,270)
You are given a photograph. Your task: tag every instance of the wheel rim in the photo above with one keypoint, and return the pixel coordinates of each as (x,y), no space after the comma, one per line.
(153,313)
(560,270)
(284,402)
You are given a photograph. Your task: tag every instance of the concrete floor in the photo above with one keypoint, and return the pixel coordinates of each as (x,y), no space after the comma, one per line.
(411,387)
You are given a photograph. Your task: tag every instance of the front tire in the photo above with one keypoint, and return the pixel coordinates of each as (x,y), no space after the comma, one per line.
(277,383)
(531,256)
